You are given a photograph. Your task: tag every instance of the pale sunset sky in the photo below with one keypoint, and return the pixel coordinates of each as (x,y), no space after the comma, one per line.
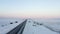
(30,8)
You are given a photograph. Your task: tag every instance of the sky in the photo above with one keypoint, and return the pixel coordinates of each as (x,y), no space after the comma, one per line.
(30,8)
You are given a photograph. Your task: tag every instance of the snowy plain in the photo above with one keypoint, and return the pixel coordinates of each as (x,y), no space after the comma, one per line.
(5,25)
(30,27)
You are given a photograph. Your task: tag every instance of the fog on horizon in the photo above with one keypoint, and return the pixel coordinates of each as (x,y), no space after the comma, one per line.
(30,8)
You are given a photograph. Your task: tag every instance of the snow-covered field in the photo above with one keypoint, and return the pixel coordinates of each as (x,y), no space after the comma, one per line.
(5,25)
(32,26)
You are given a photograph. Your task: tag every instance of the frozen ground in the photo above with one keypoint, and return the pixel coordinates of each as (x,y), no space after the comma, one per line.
(53,24)
(5,25)
(32,26)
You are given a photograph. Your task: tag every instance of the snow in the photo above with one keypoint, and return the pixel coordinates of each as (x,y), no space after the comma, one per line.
(7,26)
(51,23)
(37,29)
(31,27)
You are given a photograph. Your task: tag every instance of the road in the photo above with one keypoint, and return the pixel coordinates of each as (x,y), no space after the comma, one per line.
(18,29)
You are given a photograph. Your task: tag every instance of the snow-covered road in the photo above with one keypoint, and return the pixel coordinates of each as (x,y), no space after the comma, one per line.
(6,28)
(32,28)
